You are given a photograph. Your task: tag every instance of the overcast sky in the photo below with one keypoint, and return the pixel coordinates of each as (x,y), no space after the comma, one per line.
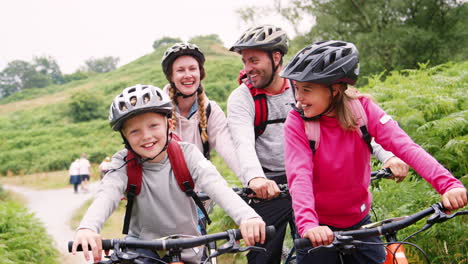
(74,31)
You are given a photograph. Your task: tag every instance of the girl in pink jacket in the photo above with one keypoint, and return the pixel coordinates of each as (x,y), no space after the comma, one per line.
(329,188)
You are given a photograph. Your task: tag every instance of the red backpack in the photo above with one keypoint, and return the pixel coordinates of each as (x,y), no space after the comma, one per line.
(181,173)
(261,105)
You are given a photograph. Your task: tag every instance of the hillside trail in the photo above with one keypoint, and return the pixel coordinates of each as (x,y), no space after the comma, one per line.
(54,208)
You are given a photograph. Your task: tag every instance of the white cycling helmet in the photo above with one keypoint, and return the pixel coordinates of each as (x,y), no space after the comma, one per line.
(266,37)
(135,100)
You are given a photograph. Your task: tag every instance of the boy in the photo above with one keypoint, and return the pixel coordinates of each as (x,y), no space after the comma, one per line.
(162,208)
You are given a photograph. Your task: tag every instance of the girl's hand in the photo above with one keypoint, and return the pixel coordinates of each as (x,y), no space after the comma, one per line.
(253,231)
(319,236)
(85,237)
(454,199)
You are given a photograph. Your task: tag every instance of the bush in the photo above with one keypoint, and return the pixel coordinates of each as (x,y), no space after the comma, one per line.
(22,238)
(85,107)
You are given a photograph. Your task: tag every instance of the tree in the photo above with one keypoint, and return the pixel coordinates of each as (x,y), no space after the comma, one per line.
(101,65)
(396,34)
(165,41)
(47,66)
(212,38)
(19,75)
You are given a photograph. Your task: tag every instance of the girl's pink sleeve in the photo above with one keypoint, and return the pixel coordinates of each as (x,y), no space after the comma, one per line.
(299,171)
(387,133)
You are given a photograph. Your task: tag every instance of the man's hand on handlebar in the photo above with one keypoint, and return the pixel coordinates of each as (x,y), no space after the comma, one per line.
(264,188)
(398,167)
(89,237)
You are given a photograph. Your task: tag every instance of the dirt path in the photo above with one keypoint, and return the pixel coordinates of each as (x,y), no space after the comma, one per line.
(55,208)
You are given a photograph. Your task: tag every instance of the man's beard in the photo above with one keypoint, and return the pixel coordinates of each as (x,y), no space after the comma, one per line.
(263,82)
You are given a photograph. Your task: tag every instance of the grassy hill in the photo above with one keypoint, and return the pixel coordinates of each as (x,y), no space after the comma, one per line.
(38,133)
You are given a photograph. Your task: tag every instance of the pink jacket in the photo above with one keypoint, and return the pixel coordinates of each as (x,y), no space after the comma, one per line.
(331,187)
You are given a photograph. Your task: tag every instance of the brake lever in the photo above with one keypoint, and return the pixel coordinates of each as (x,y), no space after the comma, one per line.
(340,243)
(230,246)
(254,248)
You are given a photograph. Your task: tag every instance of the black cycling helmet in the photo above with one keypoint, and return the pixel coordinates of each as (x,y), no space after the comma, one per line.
(324,62)
(266,37)
(181,49)
(136,100)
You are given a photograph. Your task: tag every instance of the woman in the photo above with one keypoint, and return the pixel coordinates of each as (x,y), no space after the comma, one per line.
(329,188)
(196,119)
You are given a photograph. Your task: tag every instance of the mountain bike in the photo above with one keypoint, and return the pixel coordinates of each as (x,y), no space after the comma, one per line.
(346,242)
(124,250)
(246,194)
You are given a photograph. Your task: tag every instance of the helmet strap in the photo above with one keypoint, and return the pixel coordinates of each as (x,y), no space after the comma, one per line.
(274,68)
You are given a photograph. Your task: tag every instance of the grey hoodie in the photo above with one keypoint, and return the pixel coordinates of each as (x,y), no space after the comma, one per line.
(162,208)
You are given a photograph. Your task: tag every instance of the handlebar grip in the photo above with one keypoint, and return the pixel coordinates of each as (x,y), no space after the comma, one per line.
(106,245)
(301,243)
(270,232)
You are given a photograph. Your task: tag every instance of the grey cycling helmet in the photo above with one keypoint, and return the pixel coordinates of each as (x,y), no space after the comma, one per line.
(266,37)
(324,62)
(136,100)
(181,49)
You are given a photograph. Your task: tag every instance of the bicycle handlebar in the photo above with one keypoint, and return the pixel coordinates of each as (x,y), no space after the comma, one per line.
(387,226)
(382,173)
(244,192)
(178,243)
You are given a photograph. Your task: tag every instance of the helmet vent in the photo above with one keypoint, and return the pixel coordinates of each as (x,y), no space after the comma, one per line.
(319,67)
(332,58)
(261,36)
(132,90)
(159,95)
(133,100)
(122,106)
(346,52)
(146,98)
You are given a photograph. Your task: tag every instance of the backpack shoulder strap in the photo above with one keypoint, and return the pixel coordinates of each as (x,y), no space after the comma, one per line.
(134,172)
(179,166)
(361,118)
(261,108)
(135,177)
(312,130)
(206,145)
(182,174)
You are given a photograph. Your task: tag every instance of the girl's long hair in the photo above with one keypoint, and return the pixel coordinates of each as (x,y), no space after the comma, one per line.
(344,113)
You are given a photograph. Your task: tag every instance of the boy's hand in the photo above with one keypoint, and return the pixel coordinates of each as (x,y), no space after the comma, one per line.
(253,231)
(85,237)
(454,199)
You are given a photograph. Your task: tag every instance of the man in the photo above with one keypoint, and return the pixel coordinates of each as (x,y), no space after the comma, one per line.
(260,151)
